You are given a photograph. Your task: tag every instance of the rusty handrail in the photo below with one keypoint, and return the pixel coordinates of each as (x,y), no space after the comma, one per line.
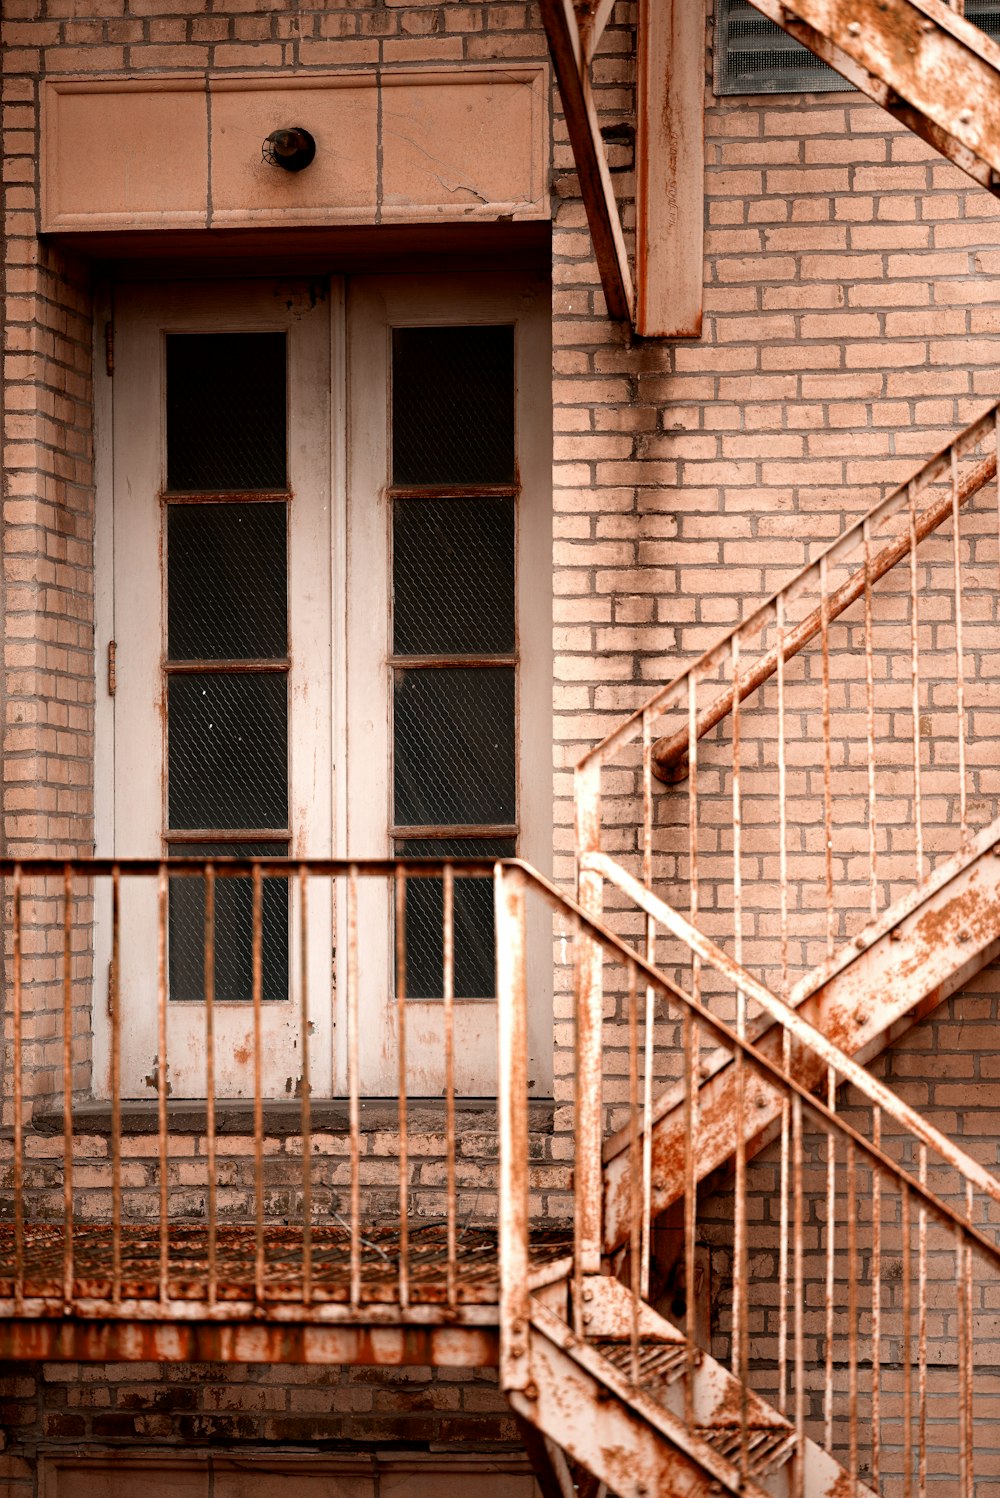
(669,751)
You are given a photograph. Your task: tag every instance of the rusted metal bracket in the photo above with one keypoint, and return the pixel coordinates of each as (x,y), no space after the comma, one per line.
(935,72)
(572,42)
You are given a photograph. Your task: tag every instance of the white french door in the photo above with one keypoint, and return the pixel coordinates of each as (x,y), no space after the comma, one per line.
(222,704)
(327,570)
(448,645)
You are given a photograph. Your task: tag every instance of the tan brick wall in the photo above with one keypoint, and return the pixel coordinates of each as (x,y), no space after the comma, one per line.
(852,296)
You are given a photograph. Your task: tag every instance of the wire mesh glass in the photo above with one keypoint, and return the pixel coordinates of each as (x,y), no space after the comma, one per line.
(453,576)
(227,750)
(226,411)
(475,945)
(227,581)
(453,405)
(454,760)
(232,951)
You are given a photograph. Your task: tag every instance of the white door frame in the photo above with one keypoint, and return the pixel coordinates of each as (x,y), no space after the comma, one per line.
(375,305)
(131,610)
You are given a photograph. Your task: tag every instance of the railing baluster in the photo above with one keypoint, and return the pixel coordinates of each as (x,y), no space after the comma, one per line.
(305,1088)
(162,1122)
(827,793)
(956,540)
(922,1328)
(907,1348)
(353,1081)
(740,1306)
(692,1054)
(876,1302)
(18,1059)
(798,1299)
(258,1079)
(870,716)
(404,1184)
(210,1134)
(828,1283)
(67,1048)
(648,1034)
(448,944)
(114,996)
(691,1112)
(964,1392)
(785,1044)
(635,1173)
(918,811)
(852,1309)
(967,1352)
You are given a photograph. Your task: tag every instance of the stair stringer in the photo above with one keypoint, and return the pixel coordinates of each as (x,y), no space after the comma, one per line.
(891,976)
(640,1445)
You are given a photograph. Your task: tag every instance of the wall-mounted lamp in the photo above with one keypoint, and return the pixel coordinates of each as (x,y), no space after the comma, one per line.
(291,149)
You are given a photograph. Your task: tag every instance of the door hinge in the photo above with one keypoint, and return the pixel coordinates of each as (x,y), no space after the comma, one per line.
(109,347)
(112,667)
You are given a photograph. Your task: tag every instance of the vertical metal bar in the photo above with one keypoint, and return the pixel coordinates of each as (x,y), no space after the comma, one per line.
(162,907)
(785,1041)
(588,1175)
(512,1105)
(740,1305)
(798,1297)
(852,1309)
(67,976)
(967,1359)
(208,958)
(18,1058)
(876,1303)
(258,1080)
(404,1163)
(635,1172)
(964,1392)
(448,941)
(907,1349)
(114,996)
(353,1081)
(956,540)
(692,1061)
(827,790)
(305,1087)
(918,813)
(922,1328)
(831,1219)
(870,714)
(691,1113)
(650,1015)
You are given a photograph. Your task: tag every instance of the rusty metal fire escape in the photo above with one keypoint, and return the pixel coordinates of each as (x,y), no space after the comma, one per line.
(787,857)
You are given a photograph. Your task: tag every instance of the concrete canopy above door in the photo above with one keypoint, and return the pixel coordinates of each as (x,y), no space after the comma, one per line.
(434,146)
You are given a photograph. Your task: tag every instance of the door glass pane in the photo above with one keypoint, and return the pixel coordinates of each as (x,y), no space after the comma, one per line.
(227,751)
(453,405)
(226,582)
(226,411)
(454,746)
(475,976)
(453,576)
(233,949)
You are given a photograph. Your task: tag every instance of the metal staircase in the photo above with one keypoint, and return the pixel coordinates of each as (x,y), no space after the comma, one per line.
(846,1224)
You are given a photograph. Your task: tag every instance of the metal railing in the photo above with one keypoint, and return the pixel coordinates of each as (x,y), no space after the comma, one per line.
(224,1195)
(837,744)
(855,1262)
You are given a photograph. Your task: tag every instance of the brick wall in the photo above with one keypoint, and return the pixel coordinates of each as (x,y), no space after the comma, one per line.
(852,315)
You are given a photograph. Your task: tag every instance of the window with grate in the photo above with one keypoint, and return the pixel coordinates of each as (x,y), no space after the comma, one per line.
(454,638)
(227,665)
(754,56)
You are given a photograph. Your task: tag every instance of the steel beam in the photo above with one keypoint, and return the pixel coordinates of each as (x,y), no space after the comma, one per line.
(572,68)
(923,949)
(935,72)
(670,169)
(69,1340)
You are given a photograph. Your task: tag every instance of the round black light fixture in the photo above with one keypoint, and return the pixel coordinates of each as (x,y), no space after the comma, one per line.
(291,149)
